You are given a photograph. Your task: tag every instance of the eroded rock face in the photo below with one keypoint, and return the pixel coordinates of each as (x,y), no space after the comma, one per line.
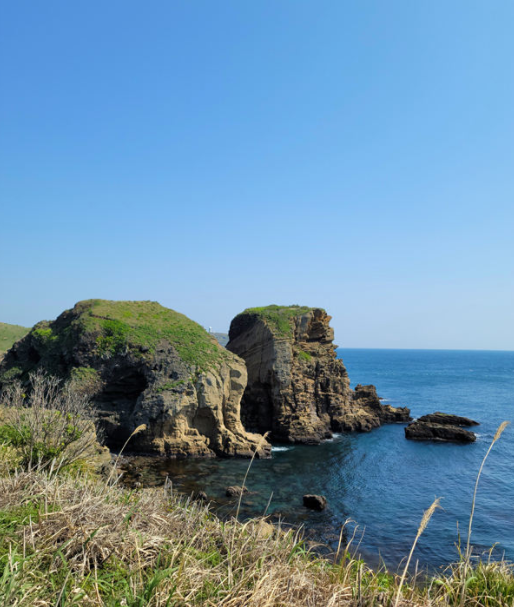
(143,364)
(297,388)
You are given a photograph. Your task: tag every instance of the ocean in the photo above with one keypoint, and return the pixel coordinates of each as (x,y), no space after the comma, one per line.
(379,483)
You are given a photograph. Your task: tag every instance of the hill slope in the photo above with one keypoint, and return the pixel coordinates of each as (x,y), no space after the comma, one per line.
(9,334)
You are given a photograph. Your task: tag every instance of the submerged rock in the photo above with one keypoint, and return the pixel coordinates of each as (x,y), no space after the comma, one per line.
(149,371)
(427,431)
(235,491)
(315,502)
(297,388)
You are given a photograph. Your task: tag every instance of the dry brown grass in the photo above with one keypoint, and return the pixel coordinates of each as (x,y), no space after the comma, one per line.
(70,538)
(81,541)
(170,551)
(47,421)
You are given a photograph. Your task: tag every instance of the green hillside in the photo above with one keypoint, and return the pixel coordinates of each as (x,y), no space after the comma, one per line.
(9,334)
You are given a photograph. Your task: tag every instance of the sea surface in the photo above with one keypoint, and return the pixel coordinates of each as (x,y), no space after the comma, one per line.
(380,481)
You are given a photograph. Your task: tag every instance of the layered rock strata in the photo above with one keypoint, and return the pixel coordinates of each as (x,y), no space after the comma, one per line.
(297,388)
(144,365)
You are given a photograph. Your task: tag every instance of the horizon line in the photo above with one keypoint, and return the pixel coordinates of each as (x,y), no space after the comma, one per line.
(426,349)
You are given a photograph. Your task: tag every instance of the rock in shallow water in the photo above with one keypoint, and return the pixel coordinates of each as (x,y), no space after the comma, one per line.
(425,431)
(235,491)
(315,502)
(447,419)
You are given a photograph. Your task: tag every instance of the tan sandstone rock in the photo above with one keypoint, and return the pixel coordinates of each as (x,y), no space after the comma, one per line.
(144,364)
(297,388)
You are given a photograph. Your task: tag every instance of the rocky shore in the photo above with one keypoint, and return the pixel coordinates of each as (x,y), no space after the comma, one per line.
(144,365)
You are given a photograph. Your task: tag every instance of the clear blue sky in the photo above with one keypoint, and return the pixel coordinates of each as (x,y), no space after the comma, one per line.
(213,156)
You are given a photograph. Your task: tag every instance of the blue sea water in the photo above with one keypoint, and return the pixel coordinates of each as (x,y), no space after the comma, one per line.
(381,481)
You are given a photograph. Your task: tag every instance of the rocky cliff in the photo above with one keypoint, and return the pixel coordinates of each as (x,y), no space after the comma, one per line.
(142,363)
(297,388)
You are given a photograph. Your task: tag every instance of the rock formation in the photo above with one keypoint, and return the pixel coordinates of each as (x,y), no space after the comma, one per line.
(426,431)
(144,364)
(441,427)
(315,502)
(297,388)
(447,419)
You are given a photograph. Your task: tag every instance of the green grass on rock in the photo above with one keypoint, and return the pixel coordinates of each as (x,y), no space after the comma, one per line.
(124,325)
(279,318)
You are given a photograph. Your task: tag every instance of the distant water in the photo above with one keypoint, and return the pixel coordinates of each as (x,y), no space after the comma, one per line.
(380,480)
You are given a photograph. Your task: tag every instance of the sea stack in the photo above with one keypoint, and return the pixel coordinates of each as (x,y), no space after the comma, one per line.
(143,364)
(297,388)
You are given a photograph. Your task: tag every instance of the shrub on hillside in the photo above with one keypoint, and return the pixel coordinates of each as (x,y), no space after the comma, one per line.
(46,421)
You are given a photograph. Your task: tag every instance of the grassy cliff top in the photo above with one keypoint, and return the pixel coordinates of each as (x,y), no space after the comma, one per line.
(279,317)
(117,327)
(146,323)
(9,334)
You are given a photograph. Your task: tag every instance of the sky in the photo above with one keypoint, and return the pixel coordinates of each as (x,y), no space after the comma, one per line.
(214,156)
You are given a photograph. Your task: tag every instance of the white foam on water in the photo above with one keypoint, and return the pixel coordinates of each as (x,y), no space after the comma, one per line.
(280,448)
(335,436)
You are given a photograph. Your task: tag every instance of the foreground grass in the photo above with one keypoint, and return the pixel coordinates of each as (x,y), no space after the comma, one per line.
(76,540)
(71,537)
(67,541)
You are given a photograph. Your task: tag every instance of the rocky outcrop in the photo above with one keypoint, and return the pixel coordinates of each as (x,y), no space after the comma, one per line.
(315,502)
(297,388)
(441,427)
(235,491)
(426,431)
(144,365)
(447,419)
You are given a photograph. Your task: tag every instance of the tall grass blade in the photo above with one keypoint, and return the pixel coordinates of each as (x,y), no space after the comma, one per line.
(427,515)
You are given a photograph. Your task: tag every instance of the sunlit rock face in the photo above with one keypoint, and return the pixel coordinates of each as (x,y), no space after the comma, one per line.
(297,388)
(143,364)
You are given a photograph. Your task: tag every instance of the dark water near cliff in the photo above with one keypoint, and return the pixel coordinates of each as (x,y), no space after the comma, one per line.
(380,480)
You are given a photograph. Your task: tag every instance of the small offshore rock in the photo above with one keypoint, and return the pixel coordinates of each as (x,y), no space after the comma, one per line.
(315,502)
(235,491)
(447,419)
(424,431)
